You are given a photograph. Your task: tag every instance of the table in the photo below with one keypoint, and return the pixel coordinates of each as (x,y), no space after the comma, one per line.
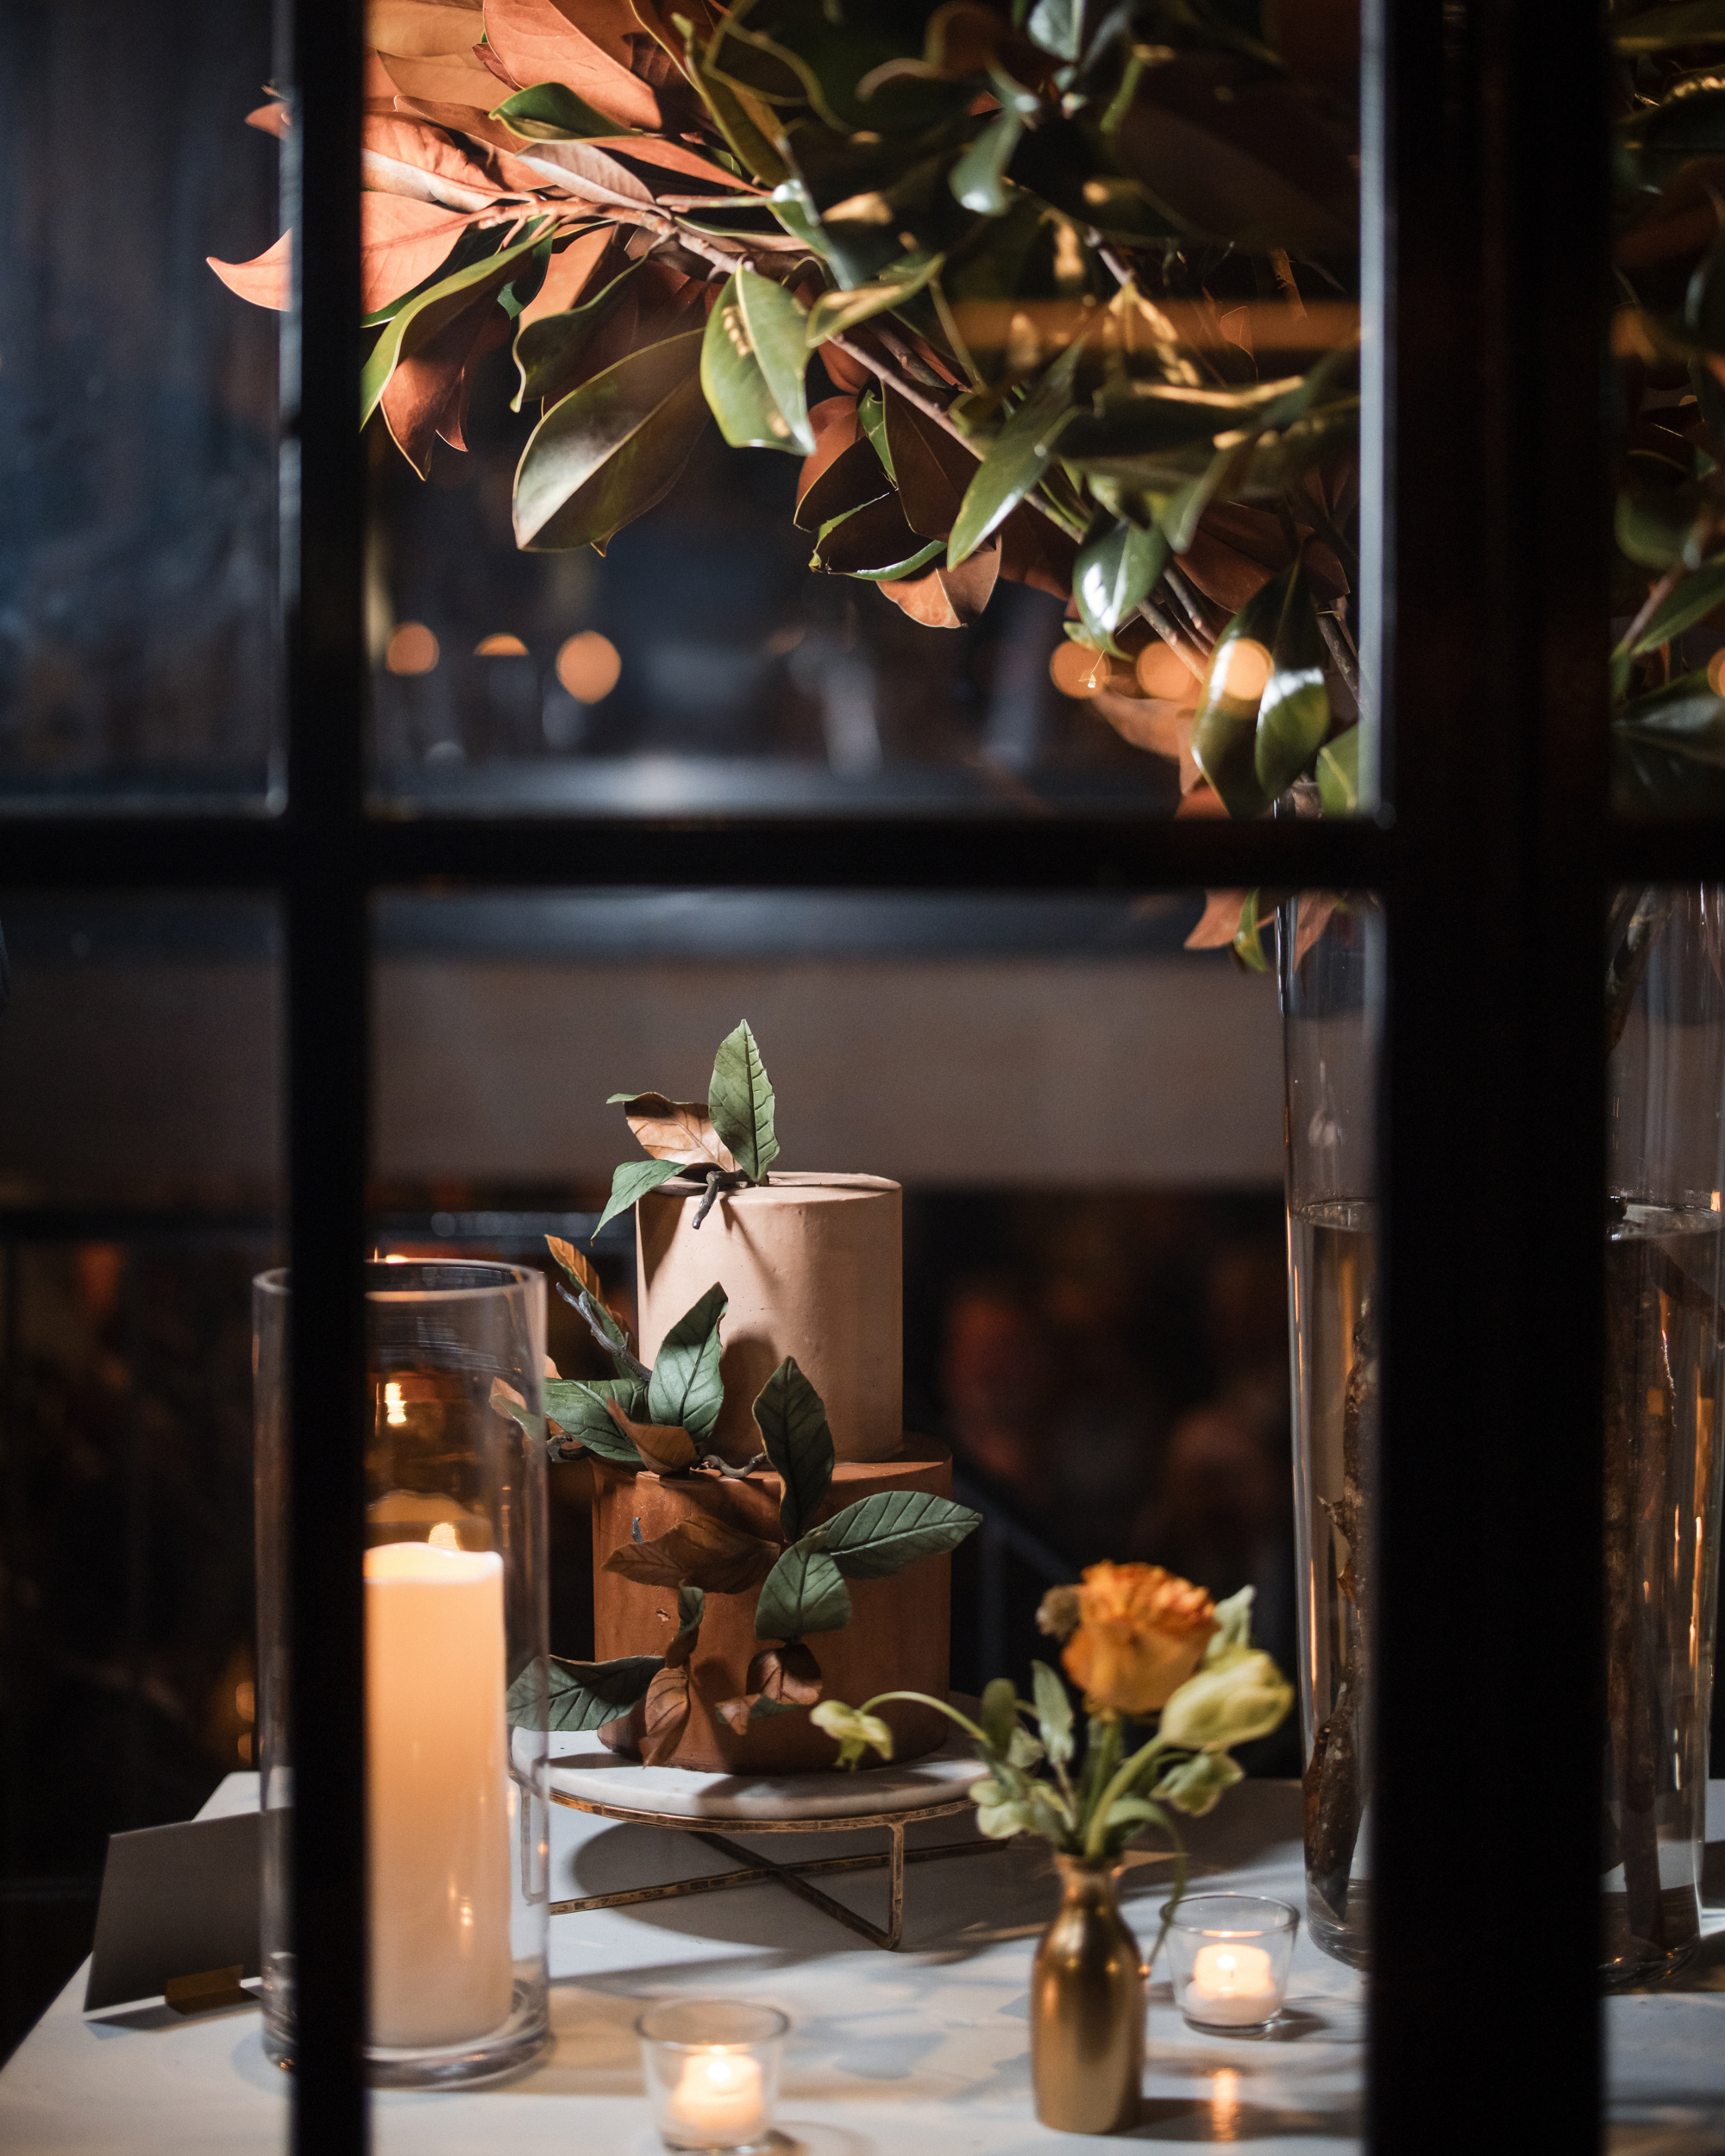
(893,2054)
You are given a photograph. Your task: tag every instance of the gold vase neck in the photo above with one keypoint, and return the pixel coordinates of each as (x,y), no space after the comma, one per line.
(1086,1878)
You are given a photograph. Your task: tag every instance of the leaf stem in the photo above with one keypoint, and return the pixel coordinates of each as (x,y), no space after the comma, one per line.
(1124,1775)
(1346,666)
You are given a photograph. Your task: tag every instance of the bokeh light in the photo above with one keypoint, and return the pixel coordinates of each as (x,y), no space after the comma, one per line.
(412,649)
(1162,672)
(501,646)
(1076,670)
(1715,674)
(1242,668)
(588,665)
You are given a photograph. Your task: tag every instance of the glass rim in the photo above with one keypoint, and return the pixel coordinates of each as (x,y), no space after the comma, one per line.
(1266,1916)
(775,2024)
(511,1279)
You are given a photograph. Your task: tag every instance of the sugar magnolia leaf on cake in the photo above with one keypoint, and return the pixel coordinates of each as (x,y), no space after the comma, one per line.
(793,1422)
(880,1535)
(790,1673)
(665,1447)
(582,1409)
(574,1696)
(603,1321)
(691,1608)
(632,1181)
(674,1130)
(685,1388)
(505,1400)
(804,1592)
(664,1716)
(751,1707)
(708,1553)
(742,1102)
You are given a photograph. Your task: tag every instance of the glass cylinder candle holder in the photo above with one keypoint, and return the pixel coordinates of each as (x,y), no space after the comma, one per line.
(1228,1956)
(455,1617)
(712,2071)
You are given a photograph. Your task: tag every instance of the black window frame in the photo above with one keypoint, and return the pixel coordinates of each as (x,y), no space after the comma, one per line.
(1485,183)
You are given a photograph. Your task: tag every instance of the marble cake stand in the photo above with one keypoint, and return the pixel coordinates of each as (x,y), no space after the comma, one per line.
(714,1807)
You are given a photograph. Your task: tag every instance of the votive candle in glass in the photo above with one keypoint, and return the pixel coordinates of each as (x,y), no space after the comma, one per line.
(712,2071)
(1228,1956)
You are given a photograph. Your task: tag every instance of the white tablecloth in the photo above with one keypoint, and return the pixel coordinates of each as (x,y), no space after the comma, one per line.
(927,2049)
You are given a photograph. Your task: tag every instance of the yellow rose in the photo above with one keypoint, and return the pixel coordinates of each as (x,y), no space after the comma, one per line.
(1141,1633)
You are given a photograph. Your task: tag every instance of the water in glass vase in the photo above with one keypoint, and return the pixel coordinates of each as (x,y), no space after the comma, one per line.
(1662,1367)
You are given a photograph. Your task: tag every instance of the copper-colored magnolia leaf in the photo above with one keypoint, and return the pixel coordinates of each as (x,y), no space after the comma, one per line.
(790,1673)
(665,1449)
(402,243)
(579,1268)
(949,599)
(587,171)
(403,155)
(447,78)
(933,470)
(664,1715)
(702,1551)
(568,276)
(846,481)
(425,395)
(537,43)
(420,26)
(1220,922)
(834,423)
(264,279)
(271,119)
(674,1130)
(611,449)
(669,158)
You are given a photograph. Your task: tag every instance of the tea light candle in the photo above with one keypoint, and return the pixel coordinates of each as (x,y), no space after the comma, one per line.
(1231,1986)
(720,2099)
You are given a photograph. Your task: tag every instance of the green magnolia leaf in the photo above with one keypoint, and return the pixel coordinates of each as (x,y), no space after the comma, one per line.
(1294,714)
(701,1552)
(1662,29)
(607,452)
(1682,607)
(873,542)
(1053,1712)
(632,1181)
(741,1102)
(579,1407)
(1000,1715)
(1115,573)
(833,313)
(551,112)
(792,1424)
(880,1535)
(572,1696)
(978,180)
(1265,708)
(804,1592)
(686,1389)
(753,356)
(1248,943)
(415,324)
(1017,460)
(1338,774)
(548,352)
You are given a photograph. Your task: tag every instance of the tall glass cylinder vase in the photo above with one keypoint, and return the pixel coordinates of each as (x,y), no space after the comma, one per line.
(455,1615)
(1663,1322)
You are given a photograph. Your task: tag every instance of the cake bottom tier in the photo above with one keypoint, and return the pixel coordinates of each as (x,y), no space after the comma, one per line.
(897,1639)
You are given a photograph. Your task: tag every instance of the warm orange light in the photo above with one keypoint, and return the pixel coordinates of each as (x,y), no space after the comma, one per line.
(499,646)
(244,1747)
(246,1701)
(1076,670)
(588,665)
(1162,672)
(1242,668)
(412,649)
(1715,674)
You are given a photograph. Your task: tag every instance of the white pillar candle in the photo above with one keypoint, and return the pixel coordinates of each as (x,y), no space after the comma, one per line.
(719,2097)
(437,1796)
(1231,1986)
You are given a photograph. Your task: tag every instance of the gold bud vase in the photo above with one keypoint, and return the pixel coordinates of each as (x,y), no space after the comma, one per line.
(1087,2007)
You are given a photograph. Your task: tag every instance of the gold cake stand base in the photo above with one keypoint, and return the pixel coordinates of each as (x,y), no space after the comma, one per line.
(750,1869)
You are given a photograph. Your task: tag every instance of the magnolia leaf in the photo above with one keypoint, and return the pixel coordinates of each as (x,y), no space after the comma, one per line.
(706,1553)
(551,112)
(1000,1716)
(414,325)
(790,1674)
(880,1535)
(1294,714)
(1053,1713)
(633,1180)
(793,1429)
(978,180)
(665,1447)
(674,1130)
(752,1707)
(686,1389)
(664,1716)
(1017,458)
(804,1592)
(1682,607)
(602,1321)
(548,351)
(536,41)
(1225,728)
(833,313)
(1338,775)
(691,1609)
(734,376)
(1116,573)
(610,450)
(742,1102)
(572,1696)
(582,1410)
(930,468)
(854,478)
(873,542)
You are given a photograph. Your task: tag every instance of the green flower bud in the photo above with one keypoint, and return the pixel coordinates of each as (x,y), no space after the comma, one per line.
(854,1730)
(1227,1704)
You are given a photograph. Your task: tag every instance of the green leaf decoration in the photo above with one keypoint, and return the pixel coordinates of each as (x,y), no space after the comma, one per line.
(1668,752)
(703,1552)
(1116,573)
(572,1696)
(579,1407)
(686,1389)
(1338,775)
(691,1609)
(610,450)
(1017,460)
(602,1322)
(666,1448)
(792,1418)
(548,352)
(741,1102)
(752,362)
(833,313)
(978,180)
(632,1181)
(804,1592)
(551,112)
(1000,1716)
(1053,1712)
(415,325)
(1682,607)
(880,1535)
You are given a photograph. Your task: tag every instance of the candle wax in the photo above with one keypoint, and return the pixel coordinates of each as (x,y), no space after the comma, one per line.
(1232,1987)
(719,2096)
